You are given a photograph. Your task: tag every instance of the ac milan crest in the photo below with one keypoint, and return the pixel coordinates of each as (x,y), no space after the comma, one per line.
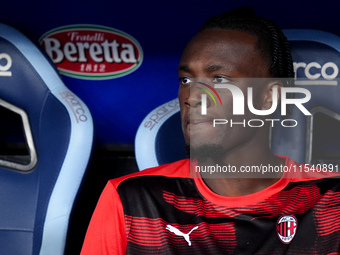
(286,228)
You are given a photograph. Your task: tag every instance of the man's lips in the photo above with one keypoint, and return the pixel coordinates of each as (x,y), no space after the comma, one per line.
(199,121)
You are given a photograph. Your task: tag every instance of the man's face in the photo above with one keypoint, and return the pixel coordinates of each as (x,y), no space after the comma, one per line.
(219,56)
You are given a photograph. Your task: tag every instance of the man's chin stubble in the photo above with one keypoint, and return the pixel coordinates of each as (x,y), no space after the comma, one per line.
(205,152)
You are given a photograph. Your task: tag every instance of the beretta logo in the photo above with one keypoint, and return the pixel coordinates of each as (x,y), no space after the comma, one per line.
(92,52)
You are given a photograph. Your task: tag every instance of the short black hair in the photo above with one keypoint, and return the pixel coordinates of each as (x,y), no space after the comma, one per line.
(272,43)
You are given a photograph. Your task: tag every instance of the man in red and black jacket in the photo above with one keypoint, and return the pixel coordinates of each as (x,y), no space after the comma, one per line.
(175,209)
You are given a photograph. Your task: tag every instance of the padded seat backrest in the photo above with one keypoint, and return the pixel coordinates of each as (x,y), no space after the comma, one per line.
(41,165)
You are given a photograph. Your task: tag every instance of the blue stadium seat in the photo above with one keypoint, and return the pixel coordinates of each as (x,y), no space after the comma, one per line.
(159,139)
(42,162)
(316,138)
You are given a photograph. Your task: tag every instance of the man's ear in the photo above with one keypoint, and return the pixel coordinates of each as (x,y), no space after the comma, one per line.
(268,94)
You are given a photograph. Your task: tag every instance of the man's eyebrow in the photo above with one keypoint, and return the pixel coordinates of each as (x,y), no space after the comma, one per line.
(212,68)
(183,68)
(209,68)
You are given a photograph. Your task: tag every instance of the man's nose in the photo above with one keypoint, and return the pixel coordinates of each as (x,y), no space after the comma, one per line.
(195,97)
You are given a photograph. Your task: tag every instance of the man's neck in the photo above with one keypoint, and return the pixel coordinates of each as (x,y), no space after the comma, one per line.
(248,174)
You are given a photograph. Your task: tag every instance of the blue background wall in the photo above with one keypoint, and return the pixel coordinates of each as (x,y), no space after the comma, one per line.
(162,28)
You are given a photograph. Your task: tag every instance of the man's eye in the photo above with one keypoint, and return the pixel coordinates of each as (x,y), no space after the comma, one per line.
(184,80)
(220,79)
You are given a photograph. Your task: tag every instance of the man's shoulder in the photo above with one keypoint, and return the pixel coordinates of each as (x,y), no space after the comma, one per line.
(178,169)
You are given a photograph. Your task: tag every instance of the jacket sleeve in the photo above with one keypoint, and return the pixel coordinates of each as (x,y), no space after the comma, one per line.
(106,233)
